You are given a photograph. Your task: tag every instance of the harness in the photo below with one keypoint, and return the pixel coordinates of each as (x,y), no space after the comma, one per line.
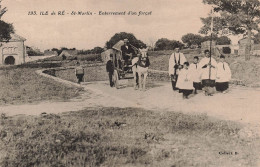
(143,62)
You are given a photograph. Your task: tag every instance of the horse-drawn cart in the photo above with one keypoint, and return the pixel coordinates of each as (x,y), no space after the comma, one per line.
(122,69)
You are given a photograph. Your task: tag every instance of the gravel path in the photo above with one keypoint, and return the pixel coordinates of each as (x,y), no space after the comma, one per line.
(240,104)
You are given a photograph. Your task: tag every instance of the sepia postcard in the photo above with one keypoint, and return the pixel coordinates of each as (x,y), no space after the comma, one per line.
(169,83)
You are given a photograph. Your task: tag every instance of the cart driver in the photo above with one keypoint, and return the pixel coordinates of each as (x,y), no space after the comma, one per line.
(127,52)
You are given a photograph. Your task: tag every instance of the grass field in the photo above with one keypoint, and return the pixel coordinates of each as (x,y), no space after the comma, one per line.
(123,137)
(23,85)
(95,73)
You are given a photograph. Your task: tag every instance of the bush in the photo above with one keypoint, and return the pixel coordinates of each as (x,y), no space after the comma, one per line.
(32,65)
(89,57)
(226,50)
(80,57)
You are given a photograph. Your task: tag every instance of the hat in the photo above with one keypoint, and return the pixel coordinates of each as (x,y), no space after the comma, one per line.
(186,63)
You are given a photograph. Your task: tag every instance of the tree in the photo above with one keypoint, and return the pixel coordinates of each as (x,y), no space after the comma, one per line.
(219,24)
(6,29)
(239,16)
(152,43)
(223,40)
(166,44)
(192,39)
(214,37)
(123,35)
(55,49)
(97,50)
(32,51)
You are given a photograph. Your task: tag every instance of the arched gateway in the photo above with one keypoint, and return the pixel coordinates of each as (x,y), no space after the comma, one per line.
(9,60)
(12,52)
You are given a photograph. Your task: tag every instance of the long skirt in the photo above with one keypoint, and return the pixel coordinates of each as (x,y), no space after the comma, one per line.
(221,86)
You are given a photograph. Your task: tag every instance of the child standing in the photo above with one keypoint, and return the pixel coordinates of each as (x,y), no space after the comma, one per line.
(196,74)
(185,82)
(79,71)
(223,75)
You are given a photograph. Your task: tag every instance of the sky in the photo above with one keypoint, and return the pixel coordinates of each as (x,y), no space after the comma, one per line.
(169,19)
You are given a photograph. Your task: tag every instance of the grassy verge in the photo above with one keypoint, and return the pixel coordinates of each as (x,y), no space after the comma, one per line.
(23,85)
(123,137)
(95,73)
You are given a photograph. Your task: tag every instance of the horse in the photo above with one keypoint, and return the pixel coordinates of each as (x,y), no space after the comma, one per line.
(143,64)
(134,70)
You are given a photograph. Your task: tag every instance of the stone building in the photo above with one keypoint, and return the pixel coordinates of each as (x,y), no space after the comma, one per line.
(206,45)
(242,46)
(12,52)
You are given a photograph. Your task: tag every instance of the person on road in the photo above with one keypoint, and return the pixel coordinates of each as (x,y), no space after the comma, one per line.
(196,74)
(79,71)
(223,75)
(185,81)
(127,51)
(208,67)
(110,70)
(175,64)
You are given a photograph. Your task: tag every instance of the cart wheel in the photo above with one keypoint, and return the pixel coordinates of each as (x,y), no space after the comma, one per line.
(116,78)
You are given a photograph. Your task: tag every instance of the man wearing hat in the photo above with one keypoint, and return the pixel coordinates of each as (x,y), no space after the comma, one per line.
(127,51)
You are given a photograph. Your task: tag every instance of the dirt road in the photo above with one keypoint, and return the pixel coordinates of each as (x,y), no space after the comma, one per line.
(240,104)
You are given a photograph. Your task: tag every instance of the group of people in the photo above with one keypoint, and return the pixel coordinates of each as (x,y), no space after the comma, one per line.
(131,58)
(205,74)
(127,54)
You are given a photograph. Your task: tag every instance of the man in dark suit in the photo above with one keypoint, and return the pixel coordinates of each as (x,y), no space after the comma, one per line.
(127,51)
(110,70)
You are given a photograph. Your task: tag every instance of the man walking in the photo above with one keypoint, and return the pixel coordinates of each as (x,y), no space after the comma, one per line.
(175,64)
(79,71)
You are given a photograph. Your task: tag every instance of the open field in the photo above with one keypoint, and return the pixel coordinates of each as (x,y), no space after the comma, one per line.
(23,85)
(95,73)
(124,137)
